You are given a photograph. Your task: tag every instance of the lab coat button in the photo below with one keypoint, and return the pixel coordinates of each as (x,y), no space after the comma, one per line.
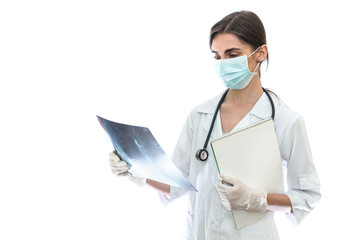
(317,181)
(215,224)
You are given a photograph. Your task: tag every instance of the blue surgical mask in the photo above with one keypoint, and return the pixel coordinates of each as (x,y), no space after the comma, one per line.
(234,72)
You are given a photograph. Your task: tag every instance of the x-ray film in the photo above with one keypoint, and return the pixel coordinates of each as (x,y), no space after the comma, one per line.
(138,147)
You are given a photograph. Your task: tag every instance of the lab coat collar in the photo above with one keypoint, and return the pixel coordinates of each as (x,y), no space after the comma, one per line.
(262,108)
(209,106)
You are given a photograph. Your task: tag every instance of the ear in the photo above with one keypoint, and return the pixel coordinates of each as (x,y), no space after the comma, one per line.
(262,53)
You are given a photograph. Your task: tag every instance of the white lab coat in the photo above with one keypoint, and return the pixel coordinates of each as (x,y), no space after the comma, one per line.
(207,217)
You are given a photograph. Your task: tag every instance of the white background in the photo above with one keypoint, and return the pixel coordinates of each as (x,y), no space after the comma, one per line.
(148,63)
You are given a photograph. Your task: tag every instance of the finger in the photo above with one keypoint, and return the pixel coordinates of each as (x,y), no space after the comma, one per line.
(226,178)
(223,197)
(228,207)
(124,174)
(223,188)
(118,171)
(119,164)
(226,204)
(113,157)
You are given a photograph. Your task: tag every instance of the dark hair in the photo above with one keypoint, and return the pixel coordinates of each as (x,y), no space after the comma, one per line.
(246,25)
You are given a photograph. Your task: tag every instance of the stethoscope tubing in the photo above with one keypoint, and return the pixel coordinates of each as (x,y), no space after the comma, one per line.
(198,156)
(214,118)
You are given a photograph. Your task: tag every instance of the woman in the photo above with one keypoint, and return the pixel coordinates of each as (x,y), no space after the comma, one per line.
(238,42)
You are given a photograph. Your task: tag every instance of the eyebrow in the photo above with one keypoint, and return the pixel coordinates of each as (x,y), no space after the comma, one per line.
(227,50)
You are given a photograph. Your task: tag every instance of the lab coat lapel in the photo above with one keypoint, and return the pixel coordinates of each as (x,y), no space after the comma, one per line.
(207,111)
(261,110)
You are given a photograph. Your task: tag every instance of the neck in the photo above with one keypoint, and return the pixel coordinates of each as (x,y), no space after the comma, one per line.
(248,95)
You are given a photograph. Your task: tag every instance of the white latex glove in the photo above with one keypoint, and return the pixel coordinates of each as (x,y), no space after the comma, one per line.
(120,168)
(239,196)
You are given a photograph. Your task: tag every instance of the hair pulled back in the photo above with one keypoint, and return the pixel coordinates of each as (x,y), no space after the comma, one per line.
(246,25)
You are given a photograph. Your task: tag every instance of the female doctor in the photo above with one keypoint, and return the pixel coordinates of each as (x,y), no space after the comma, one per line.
(238,43)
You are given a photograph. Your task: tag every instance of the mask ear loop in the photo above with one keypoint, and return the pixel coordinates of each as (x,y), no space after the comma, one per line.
(254,51)
(257,66)
(257,60)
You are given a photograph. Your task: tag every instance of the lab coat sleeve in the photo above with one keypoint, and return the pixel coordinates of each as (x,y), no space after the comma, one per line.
(181,158)
(302,179)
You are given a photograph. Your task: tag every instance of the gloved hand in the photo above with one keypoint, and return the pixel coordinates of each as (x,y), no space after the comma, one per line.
(239,196)
(120,168)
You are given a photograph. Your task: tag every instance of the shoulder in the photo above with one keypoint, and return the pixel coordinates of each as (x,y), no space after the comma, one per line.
(285,117)
(287,121)
(284,114)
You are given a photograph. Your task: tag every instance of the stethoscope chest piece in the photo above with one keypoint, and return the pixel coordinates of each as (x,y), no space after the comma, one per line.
(202,154)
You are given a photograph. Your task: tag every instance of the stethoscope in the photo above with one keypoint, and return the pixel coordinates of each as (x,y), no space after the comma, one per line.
(202,154)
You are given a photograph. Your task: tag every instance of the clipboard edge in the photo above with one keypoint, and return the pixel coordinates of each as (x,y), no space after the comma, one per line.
(241,130)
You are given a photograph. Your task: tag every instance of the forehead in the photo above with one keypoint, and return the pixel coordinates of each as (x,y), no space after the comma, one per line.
(224,41)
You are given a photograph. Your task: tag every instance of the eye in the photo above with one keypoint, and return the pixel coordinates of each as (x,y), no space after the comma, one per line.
(217,57)
(233,55)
